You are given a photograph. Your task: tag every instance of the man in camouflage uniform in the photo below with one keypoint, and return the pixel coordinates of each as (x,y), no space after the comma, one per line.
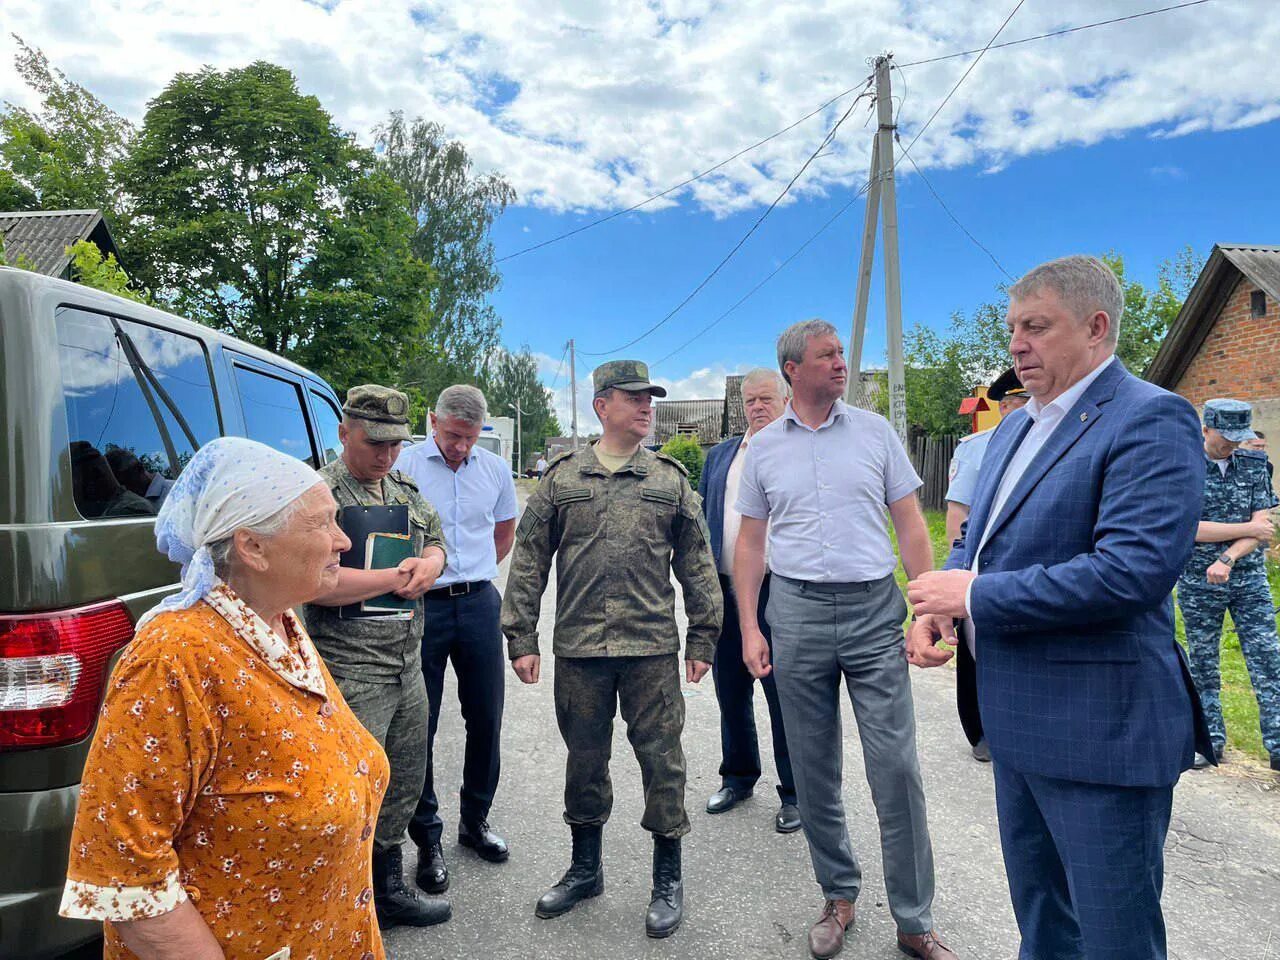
(376,662)
(1227,572)
(619,519)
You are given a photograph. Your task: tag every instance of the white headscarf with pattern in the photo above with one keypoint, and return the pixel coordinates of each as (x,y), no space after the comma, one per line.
(230,483)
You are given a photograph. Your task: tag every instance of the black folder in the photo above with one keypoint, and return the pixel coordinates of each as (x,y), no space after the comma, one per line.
(357,523)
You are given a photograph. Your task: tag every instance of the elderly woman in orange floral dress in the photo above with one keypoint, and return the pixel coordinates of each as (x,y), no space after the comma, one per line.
(228,802)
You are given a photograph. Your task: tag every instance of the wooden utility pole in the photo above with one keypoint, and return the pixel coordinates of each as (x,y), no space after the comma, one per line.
(881,192)
(573,391)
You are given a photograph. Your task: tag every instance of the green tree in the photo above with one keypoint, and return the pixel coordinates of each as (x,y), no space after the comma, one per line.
(90,267)
(257,215)
(67,153)
(689,452)
(511,379)
(454,210)
(1148,313)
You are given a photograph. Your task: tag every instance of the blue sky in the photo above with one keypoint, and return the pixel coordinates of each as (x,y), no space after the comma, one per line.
(1139,137)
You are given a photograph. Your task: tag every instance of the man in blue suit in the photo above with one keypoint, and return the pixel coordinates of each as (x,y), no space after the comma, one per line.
(1068,664)
(764,397)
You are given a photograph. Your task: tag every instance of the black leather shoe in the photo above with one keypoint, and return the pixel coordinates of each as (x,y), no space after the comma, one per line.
(1200,762)
(666,903)
(981,752)
(1275,762)
(397,904)
(487,844)
(584,878)
(433,872)
(788,818)
(725,799)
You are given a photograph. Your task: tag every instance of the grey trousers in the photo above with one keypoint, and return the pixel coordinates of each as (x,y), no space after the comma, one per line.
(396,713)
(820,633)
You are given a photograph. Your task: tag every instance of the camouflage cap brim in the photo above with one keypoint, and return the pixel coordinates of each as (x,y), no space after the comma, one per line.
(1238,436)
(635,386)
(381,432)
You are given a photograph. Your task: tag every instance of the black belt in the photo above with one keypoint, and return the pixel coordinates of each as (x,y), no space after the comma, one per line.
(457,589)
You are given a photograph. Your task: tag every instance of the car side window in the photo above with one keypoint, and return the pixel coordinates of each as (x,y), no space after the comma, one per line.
(139,402)
(327,420)
(273,412)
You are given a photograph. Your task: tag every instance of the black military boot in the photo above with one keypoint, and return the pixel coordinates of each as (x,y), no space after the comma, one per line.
(398,904)
(583,880)
(666,908)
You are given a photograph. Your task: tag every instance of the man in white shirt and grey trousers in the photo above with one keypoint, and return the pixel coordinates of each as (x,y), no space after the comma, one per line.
(818,483)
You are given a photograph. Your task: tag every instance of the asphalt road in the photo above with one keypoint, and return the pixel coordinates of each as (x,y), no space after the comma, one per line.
(749,891)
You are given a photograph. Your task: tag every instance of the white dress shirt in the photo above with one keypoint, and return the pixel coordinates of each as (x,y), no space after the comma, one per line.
(825,493)
(1045,418)
(732,518)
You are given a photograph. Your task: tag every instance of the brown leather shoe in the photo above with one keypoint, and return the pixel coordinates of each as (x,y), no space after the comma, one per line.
(924,946)
(826,937)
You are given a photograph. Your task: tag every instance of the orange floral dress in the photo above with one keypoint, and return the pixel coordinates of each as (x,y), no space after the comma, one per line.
(227,770)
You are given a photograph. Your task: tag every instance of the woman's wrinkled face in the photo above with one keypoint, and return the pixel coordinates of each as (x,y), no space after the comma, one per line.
(302,559)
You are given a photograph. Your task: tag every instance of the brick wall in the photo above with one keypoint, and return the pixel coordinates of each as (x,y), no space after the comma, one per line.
(1241,359)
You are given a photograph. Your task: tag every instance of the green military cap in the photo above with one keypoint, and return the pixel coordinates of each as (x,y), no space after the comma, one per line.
(629,375)
(385,411)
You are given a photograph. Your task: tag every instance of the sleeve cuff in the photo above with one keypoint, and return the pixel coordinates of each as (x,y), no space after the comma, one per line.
(522,646)
(752,510)
(968,603)
(698,650)
(82,900)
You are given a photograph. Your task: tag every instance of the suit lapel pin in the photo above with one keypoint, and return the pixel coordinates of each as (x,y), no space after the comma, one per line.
(1084,417)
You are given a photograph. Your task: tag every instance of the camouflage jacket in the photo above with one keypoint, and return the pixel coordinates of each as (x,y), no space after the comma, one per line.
(616,538)
(378,649)
(1232,497)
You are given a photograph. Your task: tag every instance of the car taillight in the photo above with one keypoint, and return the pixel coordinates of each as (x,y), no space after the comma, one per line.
(52,668)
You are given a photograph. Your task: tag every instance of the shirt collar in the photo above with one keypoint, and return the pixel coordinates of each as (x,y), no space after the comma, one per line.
(1067,399)
(433,450)
(299,667)
(838,409)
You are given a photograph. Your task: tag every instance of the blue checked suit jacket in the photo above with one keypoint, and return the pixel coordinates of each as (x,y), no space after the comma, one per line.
(715,474)
(1078,675)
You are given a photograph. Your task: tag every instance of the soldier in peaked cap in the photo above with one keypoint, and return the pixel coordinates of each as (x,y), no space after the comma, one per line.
(618,519)
(376,662)
(1226,572)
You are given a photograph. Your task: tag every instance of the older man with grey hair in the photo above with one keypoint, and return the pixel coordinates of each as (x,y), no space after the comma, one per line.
(472,489)
(1085,515)
(821,483)
(764,396)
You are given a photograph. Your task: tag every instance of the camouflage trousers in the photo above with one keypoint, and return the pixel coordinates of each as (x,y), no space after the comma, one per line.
(589,690)
(396,713)
(1248,597)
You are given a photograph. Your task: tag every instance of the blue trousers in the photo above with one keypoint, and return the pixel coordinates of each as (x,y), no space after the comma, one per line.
(464,630)
(735,692)
(1086,866)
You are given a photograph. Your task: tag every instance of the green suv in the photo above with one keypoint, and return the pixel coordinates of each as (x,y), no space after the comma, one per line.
(103,402)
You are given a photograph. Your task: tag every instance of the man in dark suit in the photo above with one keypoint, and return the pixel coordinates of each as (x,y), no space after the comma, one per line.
(764,397)
(1062,575)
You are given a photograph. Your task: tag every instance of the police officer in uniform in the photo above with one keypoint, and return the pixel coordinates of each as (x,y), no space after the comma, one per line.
(1227,572)
(376,662)
(966,468)
(618,519)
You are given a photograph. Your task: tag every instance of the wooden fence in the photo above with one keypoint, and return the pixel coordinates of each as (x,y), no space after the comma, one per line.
(931,456)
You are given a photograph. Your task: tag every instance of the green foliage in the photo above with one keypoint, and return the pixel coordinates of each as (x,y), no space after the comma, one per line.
(89,267)
(688,451)
(1148,314)
(511,379)
(454,211)
(66,154)
(258,216)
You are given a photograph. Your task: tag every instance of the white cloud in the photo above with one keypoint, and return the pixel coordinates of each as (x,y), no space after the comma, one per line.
(587,104)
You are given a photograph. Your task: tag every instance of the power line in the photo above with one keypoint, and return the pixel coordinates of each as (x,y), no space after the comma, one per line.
(829,138)
(683,183)
(954,218)
(782,266)
(559,367)
(1054,33)
(964,76)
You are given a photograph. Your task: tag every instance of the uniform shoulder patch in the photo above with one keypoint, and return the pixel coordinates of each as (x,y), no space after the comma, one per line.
(1259,455)
(673,461)
(402,477)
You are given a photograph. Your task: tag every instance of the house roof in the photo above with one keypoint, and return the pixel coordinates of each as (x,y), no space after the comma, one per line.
(41,237)
(866,390)
(734,416)
(703,418)
(1227,262)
